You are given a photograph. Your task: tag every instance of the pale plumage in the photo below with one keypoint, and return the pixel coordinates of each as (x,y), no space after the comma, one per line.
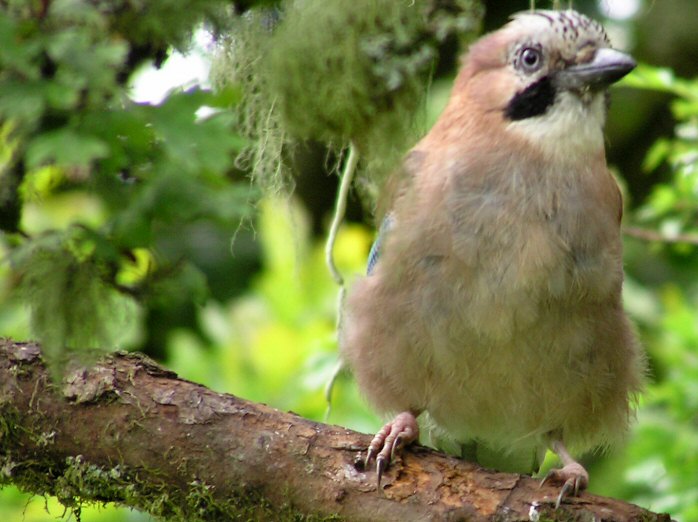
(495,305)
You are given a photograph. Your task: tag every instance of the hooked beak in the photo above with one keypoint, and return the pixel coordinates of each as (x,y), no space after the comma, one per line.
(607,67)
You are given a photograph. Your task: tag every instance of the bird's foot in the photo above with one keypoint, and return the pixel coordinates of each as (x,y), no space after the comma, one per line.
(399,432)
(574,478)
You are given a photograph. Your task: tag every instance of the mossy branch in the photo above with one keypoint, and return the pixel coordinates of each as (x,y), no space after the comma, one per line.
(131,432)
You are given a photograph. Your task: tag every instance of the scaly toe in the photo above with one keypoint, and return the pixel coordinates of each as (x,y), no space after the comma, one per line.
(574,478)
(396,434)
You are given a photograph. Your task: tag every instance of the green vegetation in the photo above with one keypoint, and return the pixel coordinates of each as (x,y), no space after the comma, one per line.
(117,218)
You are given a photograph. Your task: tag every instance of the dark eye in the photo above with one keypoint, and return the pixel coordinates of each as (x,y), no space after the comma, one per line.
(530,59)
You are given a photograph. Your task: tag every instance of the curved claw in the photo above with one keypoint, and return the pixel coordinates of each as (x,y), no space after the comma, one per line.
(567,487)
(380,468)
(370,455)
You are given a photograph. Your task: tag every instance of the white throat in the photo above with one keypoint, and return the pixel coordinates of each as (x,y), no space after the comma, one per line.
(571,130)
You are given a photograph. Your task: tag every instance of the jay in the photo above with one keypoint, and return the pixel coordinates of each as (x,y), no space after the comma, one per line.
(492,305)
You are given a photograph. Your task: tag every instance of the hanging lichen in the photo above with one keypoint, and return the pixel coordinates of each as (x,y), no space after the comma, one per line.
(336,72)
(237,62)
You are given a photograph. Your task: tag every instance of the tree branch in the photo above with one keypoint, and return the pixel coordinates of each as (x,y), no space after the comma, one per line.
(647,234)
(128,431)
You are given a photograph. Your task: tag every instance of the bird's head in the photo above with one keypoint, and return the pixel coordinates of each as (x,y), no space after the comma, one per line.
(544,76)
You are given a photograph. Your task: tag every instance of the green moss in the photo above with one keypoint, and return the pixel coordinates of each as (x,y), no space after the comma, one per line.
(76,483)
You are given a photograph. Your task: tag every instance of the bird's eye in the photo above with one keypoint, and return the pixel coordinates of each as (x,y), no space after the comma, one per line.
(530,59)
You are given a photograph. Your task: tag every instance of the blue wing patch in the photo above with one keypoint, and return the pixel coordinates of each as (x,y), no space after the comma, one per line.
(374,253)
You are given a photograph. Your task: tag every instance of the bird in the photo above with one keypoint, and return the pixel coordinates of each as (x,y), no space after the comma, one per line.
(490,318)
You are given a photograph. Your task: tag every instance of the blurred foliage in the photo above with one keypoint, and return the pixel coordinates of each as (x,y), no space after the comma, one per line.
(136,173)
(662,457)
(114,214)
(672,207)
(277,344)
(93,187)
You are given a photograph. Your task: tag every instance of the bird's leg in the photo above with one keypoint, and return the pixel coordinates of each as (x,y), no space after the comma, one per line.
(573,476)
(397,433)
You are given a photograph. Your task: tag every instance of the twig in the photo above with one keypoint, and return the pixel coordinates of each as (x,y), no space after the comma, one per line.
(646,234)
(339,212)
(230,459)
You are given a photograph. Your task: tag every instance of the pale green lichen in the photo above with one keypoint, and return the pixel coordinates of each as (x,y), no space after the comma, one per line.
(336,72)
(73,312)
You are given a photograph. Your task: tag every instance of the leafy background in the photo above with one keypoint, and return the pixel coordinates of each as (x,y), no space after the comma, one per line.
(193,229)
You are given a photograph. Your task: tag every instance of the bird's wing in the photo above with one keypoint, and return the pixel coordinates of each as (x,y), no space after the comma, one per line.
(396,187)
(374,253)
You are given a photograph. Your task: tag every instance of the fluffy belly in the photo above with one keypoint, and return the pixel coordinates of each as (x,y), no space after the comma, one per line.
(512,389)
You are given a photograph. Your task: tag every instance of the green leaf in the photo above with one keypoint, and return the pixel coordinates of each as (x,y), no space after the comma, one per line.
(18,49)
(23,100)
(657,154)
(185,283)
(191,143)
(65,147)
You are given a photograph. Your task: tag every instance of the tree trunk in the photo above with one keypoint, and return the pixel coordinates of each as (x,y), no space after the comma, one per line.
(128,431)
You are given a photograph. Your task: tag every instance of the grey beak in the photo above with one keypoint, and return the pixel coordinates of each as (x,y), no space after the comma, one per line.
(607,67)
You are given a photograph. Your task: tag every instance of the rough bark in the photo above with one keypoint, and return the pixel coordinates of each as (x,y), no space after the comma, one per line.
(128,431)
